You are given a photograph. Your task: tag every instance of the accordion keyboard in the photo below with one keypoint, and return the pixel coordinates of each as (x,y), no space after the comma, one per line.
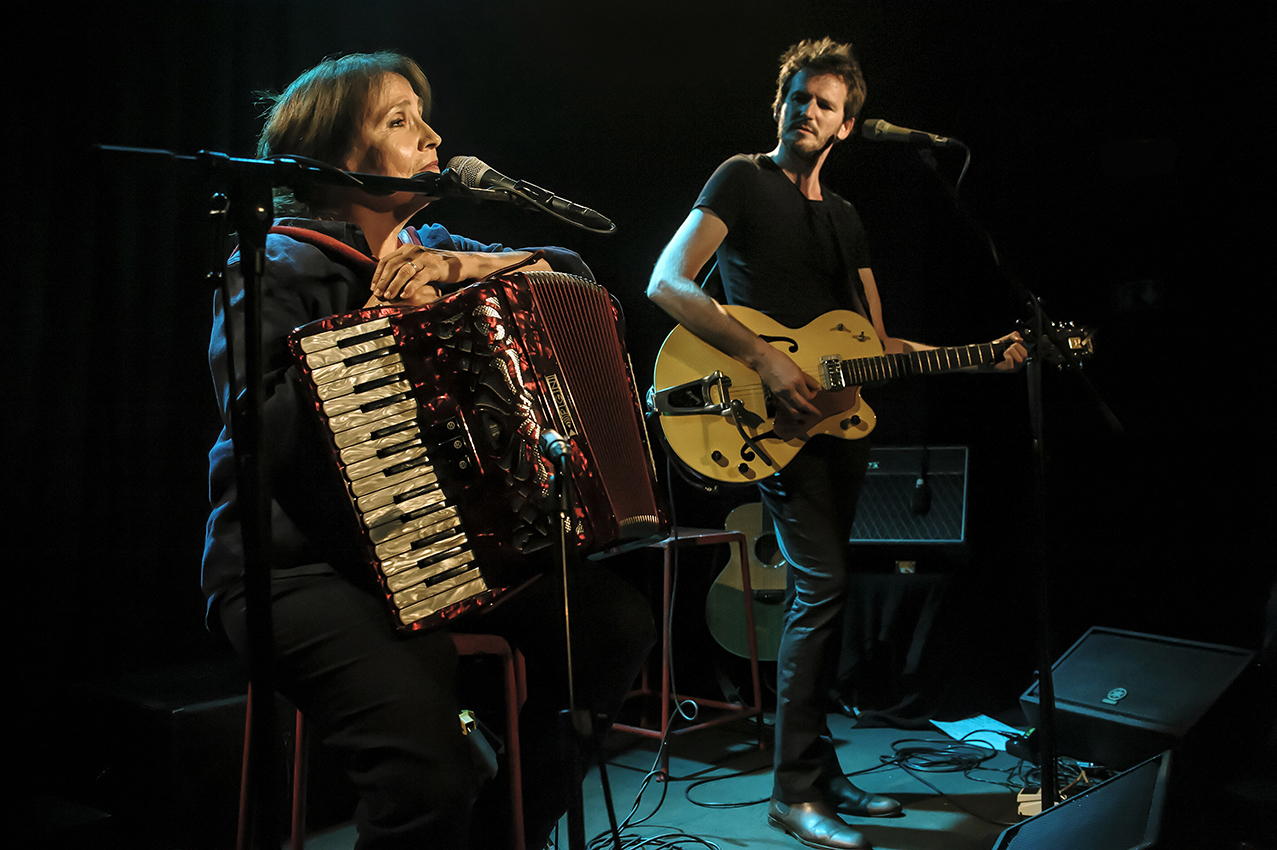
(415,534)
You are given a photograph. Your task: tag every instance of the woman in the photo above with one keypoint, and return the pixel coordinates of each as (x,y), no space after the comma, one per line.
(387,701)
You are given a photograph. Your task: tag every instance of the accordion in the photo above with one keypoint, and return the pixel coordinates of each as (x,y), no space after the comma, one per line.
(435,418)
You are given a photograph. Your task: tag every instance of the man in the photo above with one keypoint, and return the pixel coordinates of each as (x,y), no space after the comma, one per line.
(792,249)
(387,702)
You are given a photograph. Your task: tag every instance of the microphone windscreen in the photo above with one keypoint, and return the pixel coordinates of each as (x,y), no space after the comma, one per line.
(468,169)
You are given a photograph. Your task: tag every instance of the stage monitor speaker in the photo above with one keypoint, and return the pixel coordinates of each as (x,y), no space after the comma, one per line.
(1122,696)
(913,495)
(1124,813)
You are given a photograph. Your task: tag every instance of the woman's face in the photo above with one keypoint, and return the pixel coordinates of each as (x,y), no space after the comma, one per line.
(394,139)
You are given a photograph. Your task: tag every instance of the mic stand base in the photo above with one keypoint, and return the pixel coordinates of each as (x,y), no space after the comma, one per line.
(578,731)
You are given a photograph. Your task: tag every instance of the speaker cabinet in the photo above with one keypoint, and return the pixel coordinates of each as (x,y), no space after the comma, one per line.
(1122,696)
(913,495)
(1124,813)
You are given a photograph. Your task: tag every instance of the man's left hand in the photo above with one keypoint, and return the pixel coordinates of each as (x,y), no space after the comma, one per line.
(1015,355)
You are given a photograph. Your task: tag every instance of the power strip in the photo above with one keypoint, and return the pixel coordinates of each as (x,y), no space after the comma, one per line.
(1029,802)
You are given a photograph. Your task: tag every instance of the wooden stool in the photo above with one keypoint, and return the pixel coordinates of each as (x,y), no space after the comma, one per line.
(732,711)
(467,644)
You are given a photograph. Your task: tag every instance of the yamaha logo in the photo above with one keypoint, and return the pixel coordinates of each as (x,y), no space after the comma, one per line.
(1114,695)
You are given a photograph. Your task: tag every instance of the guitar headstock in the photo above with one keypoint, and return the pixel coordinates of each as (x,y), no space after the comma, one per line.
(1063,344)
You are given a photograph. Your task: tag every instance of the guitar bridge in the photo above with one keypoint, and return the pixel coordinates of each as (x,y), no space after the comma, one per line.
(694,398)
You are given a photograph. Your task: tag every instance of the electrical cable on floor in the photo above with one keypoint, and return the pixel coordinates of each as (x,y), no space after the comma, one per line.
(930,756)
(672,838)
(935,756)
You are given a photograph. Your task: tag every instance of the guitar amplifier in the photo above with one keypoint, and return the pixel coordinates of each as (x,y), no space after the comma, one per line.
(913,495)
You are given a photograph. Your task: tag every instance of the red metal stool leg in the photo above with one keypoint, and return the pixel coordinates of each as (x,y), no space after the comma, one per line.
(732,711)
(515,687)
(515,695)
(297,819)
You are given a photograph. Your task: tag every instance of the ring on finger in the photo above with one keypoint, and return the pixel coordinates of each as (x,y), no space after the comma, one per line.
(414,265)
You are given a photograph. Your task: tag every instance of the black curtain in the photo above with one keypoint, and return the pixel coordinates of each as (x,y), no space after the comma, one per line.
(1119,163)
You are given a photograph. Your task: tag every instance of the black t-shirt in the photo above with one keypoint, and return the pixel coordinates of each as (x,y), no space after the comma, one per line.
(784,254)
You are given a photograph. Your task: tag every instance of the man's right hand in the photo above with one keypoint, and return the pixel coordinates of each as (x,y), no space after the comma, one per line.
(789,384)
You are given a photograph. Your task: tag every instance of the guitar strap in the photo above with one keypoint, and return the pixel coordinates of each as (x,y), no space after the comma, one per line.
(853,289)
(712,285)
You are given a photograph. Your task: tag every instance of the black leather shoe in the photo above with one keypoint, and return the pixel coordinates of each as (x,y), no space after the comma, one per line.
(816,825)
(850,800)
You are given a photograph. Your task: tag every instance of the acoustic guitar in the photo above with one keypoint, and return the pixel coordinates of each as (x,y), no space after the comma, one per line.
(722,422)
(768,572)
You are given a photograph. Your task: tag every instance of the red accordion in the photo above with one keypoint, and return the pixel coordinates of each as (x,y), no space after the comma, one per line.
(436,415)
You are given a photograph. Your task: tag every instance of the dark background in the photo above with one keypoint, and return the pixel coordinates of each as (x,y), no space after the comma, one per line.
(1121,165)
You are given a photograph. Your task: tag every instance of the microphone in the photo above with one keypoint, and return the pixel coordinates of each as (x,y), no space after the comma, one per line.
(922,488)
(921,503)
(877,130)
(477,174)
(555,447)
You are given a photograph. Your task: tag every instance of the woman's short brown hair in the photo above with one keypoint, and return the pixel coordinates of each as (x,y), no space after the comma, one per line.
(319,114)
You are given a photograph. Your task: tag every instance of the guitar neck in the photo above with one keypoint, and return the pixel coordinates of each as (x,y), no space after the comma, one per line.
(864,370)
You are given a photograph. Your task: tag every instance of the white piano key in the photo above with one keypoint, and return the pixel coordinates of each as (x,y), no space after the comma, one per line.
(334,372)
(432,603)
(419,581)
(354,427)
(380,481)
(329,339)
(378,465)
(378,448)
(442,522)
(345,385)
(368,503)
(393,513)
(346,403)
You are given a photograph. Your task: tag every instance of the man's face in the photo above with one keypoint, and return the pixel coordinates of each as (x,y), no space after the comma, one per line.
(811,115)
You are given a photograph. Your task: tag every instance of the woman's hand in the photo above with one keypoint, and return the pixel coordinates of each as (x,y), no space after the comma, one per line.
(407,275)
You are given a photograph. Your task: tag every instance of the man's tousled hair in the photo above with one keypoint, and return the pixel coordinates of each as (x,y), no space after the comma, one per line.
(822,56)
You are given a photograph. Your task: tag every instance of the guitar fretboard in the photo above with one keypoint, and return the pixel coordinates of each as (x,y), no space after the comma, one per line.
(864,370)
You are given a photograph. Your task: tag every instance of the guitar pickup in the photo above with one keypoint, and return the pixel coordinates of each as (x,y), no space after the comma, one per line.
(694,398)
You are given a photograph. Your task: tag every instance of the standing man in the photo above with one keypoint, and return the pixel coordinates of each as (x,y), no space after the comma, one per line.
(792,249)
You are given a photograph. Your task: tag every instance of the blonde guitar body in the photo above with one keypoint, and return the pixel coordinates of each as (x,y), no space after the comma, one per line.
(712,445)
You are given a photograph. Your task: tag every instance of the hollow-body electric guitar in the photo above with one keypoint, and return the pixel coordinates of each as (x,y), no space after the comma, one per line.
(722,422)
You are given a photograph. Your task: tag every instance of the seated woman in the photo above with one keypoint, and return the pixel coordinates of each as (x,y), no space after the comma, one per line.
(385,700)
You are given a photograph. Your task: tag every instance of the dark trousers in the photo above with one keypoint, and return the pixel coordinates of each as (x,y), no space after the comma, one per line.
(388,702)
(813,503)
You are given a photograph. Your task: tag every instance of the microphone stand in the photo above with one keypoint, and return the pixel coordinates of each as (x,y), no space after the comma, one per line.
(578,724)
(1042,330)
